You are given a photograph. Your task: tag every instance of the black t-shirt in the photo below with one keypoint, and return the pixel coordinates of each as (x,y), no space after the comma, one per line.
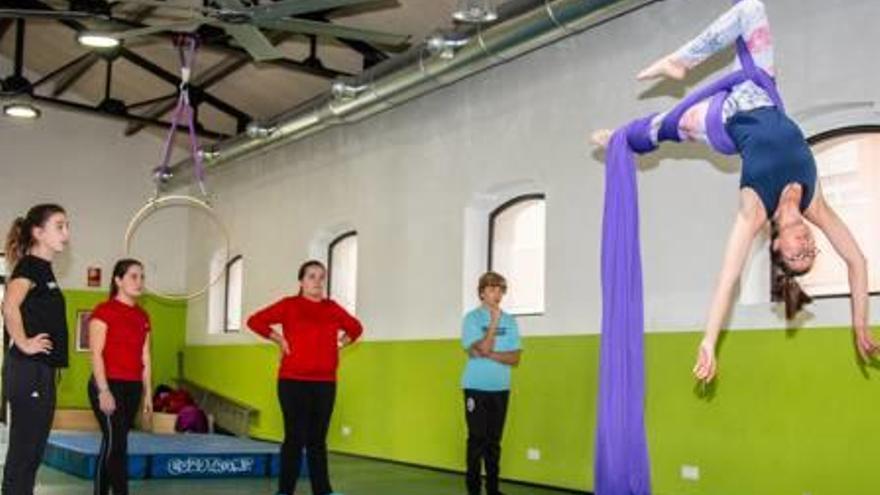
(43,309)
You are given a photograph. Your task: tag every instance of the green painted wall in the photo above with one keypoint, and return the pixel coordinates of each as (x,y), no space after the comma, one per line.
(168,337)
(792,413)
(246,373)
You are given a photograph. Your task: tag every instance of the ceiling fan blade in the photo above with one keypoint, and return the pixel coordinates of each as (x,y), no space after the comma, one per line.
(183,26)
(159,4)
(253,41)
(286,8)
(332,30)
(47,14)
(231,4)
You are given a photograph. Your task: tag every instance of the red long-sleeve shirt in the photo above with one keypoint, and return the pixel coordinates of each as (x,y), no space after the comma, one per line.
(311,329)
(127,329)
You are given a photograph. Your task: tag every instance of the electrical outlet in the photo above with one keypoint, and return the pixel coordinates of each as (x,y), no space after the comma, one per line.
(691,473)
(346,431)
(533,454)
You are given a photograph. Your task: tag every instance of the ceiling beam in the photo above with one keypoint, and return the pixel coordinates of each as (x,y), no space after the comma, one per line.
(60,70)
(80,107)
(5,24)
(175,80)
(219,43)
(75,73)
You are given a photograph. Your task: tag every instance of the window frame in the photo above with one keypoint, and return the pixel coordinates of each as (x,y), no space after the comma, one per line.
(335,242)
(820,137)
(235,259)
(493,215)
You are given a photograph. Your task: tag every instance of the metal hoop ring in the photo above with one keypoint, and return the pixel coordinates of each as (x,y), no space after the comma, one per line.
(156,204)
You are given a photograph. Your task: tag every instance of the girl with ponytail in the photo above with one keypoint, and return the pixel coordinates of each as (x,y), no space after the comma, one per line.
(34,313)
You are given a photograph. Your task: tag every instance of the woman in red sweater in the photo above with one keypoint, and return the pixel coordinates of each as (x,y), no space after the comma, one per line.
(119,338)
(309,339)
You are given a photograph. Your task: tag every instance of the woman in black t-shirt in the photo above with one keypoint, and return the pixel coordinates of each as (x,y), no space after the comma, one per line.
(34,313)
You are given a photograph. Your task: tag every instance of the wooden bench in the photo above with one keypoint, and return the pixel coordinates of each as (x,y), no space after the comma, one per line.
(227,413)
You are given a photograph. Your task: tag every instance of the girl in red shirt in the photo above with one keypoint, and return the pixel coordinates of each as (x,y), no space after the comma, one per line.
(309,340)
(119,338)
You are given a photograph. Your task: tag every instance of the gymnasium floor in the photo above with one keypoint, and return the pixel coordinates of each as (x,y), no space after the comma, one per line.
(351,476)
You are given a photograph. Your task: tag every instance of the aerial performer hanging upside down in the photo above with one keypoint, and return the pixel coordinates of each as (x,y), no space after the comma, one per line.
(742,113)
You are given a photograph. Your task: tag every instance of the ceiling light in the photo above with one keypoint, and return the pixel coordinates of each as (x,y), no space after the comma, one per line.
(21,111)
(97,40)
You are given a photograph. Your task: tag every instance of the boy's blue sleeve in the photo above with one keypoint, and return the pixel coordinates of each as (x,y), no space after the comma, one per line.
(471,331)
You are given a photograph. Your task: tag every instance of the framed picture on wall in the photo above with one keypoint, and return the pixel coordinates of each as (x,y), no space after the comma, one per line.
(82,330)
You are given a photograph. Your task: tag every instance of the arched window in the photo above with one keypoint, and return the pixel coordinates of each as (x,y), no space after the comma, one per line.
(232,300)
(517,251)
(225,296)
(342,263)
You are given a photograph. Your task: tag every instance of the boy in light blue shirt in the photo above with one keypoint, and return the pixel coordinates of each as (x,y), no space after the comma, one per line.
(491,339)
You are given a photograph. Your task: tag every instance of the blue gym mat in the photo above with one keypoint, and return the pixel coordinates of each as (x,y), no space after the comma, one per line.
(168,456)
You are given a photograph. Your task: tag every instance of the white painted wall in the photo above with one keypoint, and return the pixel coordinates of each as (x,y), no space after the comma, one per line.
(100,177)
(409,179)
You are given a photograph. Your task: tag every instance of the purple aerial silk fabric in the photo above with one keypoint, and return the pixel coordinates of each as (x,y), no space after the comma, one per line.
(621,459)
(621,462)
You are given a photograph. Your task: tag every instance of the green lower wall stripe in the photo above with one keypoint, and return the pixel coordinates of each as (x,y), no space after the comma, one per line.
(792,413)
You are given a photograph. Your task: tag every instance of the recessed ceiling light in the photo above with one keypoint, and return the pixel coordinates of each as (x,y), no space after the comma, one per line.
(97,40)
(21,111)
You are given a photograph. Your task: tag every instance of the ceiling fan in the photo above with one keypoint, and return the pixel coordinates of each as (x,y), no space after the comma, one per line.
(33,13)
(242,22)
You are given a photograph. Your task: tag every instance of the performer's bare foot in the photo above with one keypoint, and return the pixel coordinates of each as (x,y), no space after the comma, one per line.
(601,137)
(667,67)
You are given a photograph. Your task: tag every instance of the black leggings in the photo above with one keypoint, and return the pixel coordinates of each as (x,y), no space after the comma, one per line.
(112,466)
(306,407)
(485,413)
(29,385)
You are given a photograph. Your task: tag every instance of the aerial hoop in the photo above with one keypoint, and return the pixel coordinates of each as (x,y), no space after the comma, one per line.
(186,46)
(157,204)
